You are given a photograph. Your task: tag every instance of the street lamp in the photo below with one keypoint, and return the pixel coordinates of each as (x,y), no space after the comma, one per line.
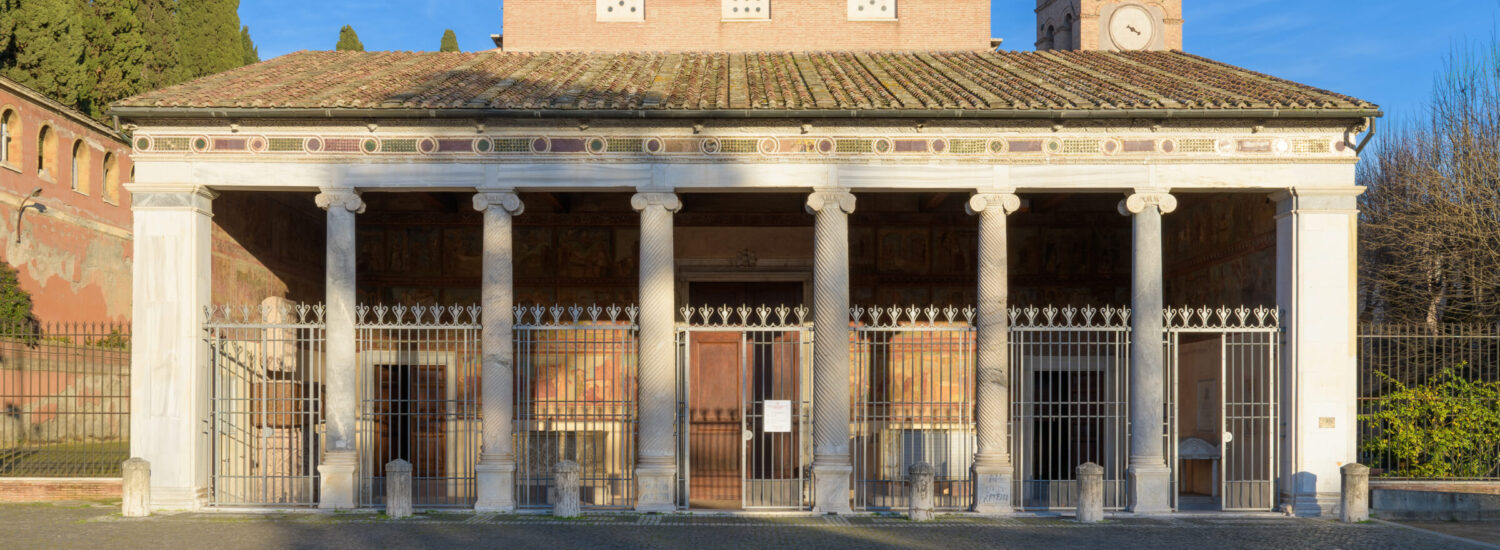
(39,207)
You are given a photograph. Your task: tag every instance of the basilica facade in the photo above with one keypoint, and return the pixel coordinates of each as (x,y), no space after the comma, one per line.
(722,259)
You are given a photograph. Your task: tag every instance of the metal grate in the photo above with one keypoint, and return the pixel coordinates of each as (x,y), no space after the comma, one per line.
(576,400)
(913,383)
(65,393)
(266,410)
(1431,376)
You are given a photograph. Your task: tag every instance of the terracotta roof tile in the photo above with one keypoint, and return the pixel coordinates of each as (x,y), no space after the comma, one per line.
(843,81)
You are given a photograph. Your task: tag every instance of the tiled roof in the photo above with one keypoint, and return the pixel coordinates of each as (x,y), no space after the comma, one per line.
(660,83)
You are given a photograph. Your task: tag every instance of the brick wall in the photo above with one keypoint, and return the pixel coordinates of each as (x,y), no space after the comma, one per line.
(795,25)
(40,490)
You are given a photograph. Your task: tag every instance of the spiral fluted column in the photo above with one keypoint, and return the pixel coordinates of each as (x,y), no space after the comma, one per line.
(656,467)
(337,470)
(993,470)
(1149,474)
(495,472)
(831,463)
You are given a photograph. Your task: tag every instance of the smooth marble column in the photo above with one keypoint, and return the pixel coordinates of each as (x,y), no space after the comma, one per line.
(831,462)
(1316,281)
(339,467)
(993,470)
(169,365)
(497,461)
(1149,475)
(656,468)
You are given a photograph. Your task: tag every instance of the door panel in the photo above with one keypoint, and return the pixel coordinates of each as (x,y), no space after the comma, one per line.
(714,417)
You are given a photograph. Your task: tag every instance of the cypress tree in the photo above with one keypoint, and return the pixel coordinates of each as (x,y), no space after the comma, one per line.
(159,29)
(450,42)
(209,37)
(53,59)
(117,53)
(252,53)
(349,41)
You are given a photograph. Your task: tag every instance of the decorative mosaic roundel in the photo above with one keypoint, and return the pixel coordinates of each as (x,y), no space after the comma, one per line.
(540,145)
(997,146)
(825,146)
(314,145)
(768,146)
(653,145)
(711,146)
(369,145)
(1054,146)
(257,144)
(427,145)
(143,144)
(1111,147)
(1168,146)
(939,145)
(483,145)
(200,144)
(596,145)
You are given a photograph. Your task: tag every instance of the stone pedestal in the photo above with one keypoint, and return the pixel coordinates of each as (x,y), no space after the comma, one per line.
(656,467)
(398,489)
(831,462)
(1149,476)
(993,470)
(341,401)
(1090,493)
(921,500)
(135,488)
(565,496)
(1355,506)
(495,473)
(339,476)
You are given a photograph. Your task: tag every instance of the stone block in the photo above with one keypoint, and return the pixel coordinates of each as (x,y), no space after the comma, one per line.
(1090,493)
(135,490)
(398,489)
(565,497)
(1355,488)
(921,495)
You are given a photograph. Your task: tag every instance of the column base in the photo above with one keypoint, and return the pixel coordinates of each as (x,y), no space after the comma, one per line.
(993,488)
(338,474)
(1313,505)
(496,481)
(653,483)
(1150,489)
(831,488)
(178,499)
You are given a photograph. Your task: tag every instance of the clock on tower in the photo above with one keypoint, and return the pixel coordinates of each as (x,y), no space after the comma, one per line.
(1114,25)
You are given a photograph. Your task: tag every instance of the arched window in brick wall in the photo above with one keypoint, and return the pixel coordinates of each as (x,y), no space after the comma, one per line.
(111,178)
(10,147)
(46,152)
(79,177)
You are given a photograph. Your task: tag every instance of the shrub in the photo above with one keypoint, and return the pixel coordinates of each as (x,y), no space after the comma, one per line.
(1445,427)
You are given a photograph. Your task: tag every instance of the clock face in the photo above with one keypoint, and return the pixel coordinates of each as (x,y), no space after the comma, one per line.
(1132,28)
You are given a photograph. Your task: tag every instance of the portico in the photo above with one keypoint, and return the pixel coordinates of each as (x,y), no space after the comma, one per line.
(648,168)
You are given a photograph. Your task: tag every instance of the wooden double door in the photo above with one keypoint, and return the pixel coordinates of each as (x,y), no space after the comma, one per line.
(731,373)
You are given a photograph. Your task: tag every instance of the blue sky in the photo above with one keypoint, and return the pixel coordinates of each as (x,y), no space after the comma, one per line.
(1386,51)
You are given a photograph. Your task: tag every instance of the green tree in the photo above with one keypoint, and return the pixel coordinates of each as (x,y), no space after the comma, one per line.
(15,303)
(159,30)
(117,53)
(45,48)
(209,37)
(349,41)
(1447,426)
(252,53)
(450,42)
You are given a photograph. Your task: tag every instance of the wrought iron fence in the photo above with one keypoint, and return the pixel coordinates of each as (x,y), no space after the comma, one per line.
(576,400)
(1429,401)
(266,404)
(65,393)
(912,375)
(419,387)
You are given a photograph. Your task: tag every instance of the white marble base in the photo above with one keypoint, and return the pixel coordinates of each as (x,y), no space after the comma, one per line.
(831,485)
(992,493)
(1150,489)
(339,478)
(1305,505)
(496,484)
(654,489)
(178,499)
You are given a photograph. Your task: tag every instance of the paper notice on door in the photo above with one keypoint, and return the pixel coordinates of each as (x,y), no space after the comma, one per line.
(778,416)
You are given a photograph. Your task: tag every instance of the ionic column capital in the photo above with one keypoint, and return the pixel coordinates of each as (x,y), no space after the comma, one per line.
(669,201)
(507,200)
(1005,202)
(1138,201)
(841,199)
(347,199)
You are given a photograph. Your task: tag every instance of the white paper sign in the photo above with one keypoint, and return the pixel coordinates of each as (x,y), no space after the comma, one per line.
(778,416)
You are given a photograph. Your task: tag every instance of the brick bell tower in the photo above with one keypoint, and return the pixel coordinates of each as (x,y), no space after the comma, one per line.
(1114,25)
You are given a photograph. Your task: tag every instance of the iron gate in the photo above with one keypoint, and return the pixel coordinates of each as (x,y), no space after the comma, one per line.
(575,393)
(1229,363)
(265,404)
(913,382)
(745,387)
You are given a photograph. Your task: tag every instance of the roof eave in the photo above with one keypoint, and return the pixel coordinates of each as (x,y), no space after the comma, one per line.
(140,113)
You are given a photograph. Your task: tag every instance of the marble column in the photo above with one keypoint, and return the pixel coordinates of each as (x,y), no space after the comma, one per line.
(171,284)
(656,468)
(339,468)
(1316,284)
(993,470)
(831,466)
(497,460)
(1149,475)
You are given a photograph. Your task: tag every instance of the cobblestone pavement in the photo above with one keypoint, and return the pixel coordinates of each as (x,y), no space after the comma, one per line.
(99,527)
